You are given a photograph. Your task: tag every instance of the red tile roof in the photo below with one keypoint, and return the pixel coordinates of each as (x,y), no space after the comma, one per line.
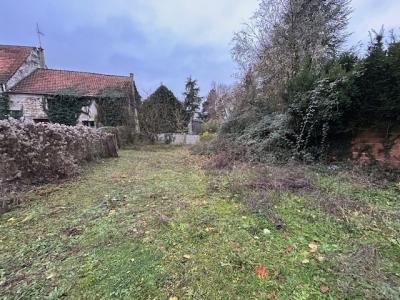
(48,81)
(11,58)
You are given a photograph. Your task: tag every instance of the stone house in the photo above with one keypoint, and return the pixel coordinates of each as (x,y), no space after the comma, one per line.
(27,81)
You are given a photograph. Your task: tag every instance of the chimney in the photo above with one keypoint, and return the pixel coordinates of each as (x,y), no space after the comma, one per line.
(41,58)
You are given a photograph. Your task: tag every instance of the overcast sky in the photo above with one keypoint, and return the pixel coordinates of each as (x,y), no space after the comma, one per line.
(157,40)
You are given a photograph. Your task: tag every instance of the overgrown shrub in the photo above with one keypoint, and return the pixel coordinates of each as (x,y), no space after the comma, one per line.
(206,148)
(43,152)
(269,139)
(266,136)
(125,135)
(329,104)
(162,113)
(211,126)
(238,123)
(207,136)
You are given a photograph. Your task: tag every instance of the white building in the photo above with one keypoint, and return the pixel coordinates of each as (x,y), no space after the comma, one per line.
(27,81)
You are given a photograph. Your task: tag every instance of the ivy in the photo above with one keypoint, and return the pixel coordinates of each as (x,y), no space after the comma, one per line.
(66,106)
(162,112)
(318,103)
(113,107)
(4,106)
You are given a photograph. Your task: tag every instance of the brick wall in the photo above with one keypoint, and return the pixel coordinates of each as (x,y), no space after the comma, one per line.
(379,145)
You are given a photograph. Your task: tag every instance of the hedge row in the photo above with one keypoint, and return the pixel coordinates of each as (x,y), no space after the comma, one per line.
(45,152)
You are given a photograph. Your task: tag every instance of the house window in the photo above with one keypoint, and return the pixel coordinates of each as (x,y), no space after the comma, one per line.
(88,123)
(41,120)
(16,114)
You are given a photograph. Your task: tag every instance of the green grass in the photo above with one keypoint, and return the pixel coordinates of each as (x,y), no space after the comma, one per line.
(153,225)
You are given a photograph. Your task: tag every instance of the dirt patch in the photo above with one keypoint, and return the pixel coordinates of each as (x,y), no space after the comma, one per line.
(365,264)
(364,261)
(219,162)
(73,231)
(18,278)
(292,178)
(338,206)
(289,183)
(11,195)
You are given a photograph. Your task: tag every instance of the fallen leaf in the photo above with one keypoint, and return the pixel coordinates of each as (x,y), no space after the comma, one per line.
(173,298)
(321,258)
(289,248)
(187,256)
(112,212)
(323,288)
(313,247)
(305,261)
(266,231)
(27,218)
(51,275)
(261,272)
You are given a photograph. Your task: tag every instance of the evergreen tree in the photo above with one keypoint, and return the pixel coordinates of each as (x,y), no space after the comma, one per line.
(393,59)
(162,112)
(376,90)
(192,100)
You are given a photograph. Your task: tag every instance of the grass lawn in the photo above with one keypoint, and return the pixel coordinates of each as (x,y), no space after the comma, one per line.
(153,224)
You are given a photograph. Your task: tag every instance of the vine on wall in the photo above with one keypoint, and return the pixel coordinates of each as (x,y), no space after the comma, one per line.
(113,107)
(66,106)
(4,106)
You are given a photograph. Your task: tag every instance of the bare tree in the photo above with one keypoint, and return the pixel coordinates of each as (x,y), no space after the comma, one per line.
(285,35)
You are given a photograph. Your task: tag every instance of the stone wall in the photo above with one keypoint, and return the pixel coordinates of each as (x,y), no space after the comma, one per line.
(178,139)
(378,145)
(90,113)
(30,105)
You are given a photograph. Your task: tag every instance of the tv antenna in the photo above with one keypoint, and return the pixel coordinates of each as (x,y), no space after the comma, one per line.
(39,34)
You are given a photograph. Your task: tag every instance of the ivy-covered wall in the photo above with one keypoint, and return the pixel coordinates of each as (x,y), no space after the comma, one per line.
(4,106)
(65,107)
(111,107)
(115,107)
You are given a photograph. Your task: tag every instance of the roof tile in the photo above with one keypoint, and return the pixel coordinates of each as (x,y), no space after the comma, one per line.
(11,58)
(49,81)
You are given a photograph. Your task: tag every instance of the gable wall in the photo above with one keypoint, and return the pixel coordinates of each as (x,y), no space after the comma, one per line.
(34,61)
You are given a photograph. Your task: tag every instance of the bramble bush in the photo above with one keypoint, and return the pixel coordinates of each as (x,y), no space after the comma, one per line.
(44,152)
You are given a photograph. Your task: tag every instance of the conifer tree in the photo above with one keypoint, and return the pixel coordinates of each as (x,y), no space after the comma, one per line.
(192,99)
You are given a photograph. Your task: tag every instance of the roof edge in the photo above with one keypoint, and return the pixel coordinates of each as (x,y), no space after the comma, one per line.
(83,72)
